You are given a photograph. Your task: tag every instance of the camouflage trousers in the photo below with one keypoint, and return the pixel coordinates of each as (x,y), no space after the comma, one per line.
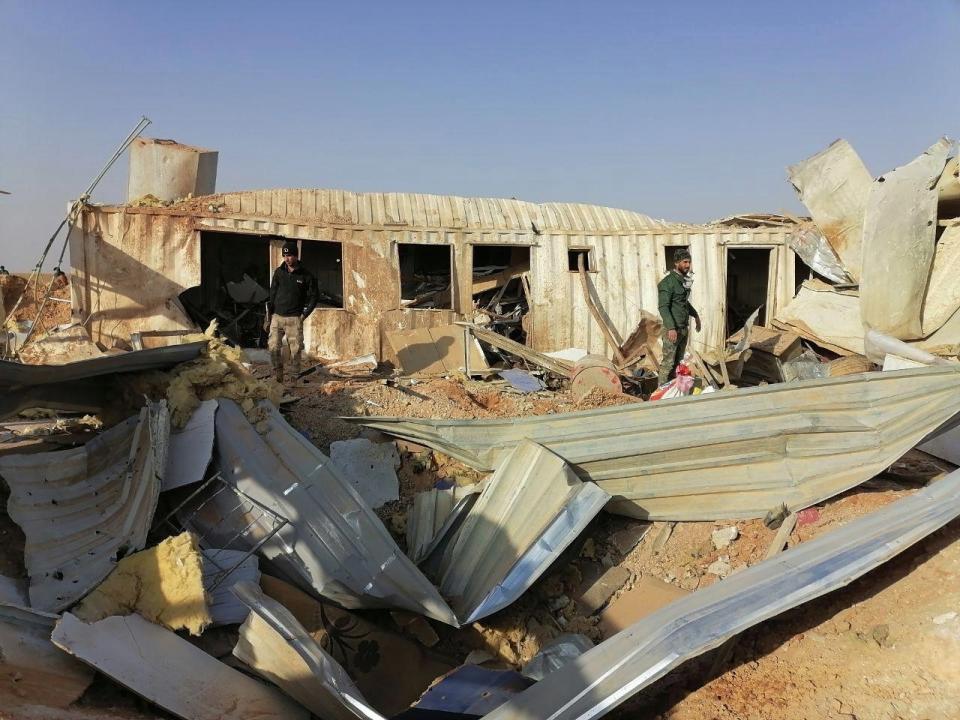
(672,354)
(291,330)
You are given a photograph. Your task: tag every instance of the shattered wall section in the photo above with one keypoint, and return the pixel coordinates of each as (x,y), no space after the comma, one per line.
(899,233)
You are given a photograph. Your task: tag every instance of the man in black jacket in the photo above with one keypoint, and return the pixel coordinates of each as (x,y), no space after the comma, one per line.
(293,296)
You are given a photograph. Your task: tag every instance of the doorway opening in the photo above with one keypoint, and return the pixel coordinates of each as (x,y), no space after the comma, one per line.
(748,281)
(234,286)
(501,288)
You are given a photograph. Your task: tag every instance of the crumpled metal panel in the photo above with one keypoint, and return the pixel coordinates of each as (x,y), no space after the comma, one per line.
(815,251)
(834,184)
(162,667)
(721,455)
(596,682)
(431,514)
(191,449)
(899,232)
(529,511)
(334,543)
(82,508)
(278,648)
(14,374)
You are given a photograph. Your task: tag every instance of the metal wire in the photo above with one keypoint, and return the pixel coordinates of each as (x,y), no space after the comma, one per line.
(72,214)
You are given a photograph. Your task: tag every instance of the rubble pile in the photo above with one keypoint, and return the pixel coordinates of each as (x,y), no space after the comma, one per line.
(480,529)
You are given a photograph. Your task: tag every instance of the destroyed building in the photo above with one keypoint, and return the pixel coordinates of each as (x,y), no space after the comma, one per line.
(394,261)
(367,541)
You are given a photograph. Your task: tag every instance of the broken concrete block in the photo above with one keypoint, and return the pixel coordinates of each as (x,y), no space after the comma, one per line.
(416,626)
(370,467)
(626,540)
(724,536)
(597,595)
(720,567)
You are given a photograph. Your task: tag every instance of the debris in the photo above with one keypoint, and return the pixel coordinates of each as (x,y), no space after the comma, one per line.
(557,367)
(219,374)
(478,657)
(596,312)
(521,380)
(594,373)
(436,351)
(62,345)
(724,536)
(279,649)
(826,316)
(877,346)
(370,467)
(945,618)
(850,365)
(644,342)
(805,366)
(336,545)
(416,627)
(248,291)
(899,230)
(942,298)
(191,448)
(173,674)
(555,654)
(849,428)
(355,367)
(468,691)
(815,250)
(32,670)
(626,540)
(79,386)
(599,593)
(783,535)
(720,567)
(647,595)
(82,508)
(600,679)
(369,654)
(222,569)
(163,584)
(808,516)
(835,185)
(532,508)
(663,535)
(570,355)
(434,515)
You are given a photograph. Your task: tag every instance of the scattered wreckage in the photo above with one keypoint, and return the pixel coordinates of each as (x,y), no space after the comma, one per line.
(207,510)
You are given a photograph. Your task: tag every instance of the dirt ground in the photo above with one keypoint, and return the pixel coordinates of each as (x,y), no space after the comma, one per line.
(885,647)
(54,313)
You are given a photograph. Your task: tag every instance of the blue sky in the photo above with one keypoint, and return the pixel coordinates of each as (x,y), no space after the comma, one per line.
(686,111)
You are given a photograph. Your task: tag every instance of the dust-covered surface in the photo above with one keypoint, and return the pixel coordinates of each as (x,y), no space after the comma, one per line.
(55,312)
(880,648)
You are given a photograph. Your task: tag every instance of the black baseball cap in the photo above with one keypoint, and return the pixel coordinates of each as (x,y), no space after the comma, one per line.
(290,248)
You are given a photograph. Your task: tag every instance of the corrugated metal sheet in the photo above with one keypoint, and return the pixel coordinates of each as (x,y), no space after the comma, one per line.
(334,543)
(722,455)
(532,508)
(128,262)
(81,508)
(594,683)
(279,649)
(162,667)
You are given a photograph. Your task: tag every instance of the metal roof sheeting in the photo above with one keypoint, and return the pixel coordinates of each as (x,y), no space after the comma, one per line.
(722,455)
(80,509)
(594,683)
(278,648)
(532,508)
(162,667)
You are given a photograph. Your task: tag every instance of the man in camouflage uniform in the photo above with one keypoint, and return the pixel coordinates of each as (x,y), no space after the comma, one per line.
(673,301)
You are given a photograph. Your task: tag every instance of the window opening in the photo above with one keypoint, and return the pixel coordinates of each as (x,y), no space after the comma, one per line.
(425,276)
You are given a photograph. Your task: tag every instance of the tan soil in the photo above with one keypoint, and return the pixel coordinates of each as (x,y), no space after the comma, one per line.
(54,313)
